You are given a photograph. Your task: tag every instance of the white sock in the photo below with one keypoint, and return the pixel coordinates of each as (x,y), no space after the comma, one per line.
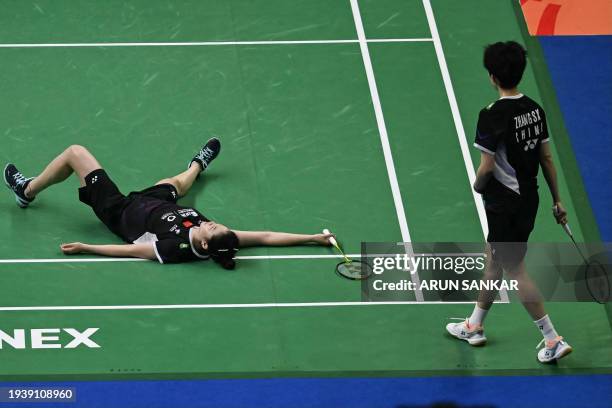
(478,316)
(547,328)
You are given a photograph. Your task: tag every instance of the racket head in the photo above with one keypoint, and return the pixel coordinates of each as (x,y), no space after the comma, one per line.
(354,270)
(597,282)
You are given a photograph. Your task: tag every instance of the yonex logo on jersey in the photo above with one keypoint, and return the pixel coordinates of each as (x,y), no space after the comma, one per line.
(531,144)
(48,338)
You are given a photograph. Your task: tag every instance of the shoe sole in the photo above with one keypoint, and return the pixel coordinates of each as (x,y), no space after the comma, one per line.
(18,200)
(472,342)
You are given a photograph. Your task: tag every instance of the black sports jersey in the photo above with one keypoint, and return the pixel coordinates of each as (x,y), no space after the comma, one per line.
(166,224)
(513,129)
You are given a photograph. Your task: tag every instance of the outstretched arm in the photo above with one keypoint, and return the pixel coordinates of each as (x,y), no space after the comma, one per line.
(270,238)
(144,251)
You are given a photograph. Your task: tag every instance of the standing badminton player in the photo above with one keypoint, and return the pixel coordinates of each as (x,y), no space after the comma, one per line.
(154,226)
(513,139)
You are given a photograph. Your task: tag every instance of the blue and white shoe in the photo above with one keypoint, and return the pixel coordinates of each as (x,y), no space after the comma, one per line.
(553,350)
(207,153)
(18,183)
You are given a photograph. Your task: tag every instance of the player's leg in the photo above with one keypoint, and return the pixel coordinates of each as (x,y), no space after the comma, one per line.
(183,181)
(528,292)
(200,162)
(471,329)
(74,159)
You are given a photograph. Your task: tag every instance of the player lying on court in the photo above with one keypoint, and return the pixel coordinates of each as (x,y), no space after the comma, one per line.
(150,221)
(512,137)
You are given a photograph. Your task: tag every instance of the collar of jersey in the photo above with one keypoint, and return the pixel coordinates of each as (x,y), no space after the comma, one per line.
(518,96)
(196,253)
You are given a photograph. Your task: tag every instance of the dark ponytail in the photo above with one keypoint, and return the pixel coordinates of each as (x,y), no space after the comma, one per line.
(222,248)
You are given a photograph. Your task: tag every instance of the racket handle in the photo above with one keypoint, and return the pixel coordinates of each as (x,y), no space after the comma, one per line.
(331,239)
(565,226)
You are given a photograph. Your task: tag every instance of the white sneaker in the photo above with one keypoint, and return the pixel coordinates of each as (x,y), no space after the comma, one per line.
(473,334)
(553,350)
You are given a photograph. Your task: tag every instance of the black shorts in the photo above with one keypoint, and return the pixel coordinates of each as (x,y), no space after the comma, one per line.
(511,219)
(109,204)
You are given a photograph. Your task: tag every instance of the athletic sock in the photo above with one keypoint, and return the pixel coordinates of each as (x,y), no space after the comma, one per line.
(478,316)
(547,328)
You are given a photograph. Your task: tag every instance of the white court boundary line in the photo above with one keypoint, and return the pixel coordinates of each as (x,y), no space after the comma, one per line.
(452,100)
(384,139)
(93,260)
(208,43)
(224,306)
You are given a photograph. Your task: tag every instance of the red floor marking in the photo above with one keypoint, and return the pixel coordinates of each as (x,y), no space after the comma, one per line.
(548,20)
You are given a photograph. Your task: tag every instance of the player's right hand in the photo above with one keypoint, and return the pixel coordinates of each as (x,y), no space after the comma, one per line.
(323,239)
(559,213)
(72,248)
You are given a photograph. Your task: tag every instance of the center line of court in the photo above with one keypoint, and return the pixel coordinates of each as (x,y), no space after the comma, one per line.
(208,43)
(384,138)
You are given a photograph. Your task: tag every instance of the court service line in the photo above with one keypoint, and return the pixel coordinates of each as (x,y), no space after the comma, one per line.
(208,43)
(452,100)
(222,306)
(384,138)
(93,260)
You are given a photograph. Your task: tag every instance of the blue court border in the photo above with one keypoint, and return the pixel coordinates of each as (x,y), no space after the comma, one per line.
(594,391)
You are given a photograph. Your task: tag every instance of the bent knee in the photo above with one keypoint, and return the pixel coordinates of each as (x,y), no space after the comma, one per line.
(77,150)
(175,182)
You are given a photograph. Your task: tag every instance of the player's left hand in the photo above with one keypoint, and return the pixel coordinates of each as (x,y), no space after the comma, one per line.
(72,248)
(559,213)
(323,239)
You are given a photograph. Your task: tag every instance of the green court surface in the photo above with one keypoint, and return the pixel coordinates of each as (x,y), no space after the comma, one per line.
(288,93)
